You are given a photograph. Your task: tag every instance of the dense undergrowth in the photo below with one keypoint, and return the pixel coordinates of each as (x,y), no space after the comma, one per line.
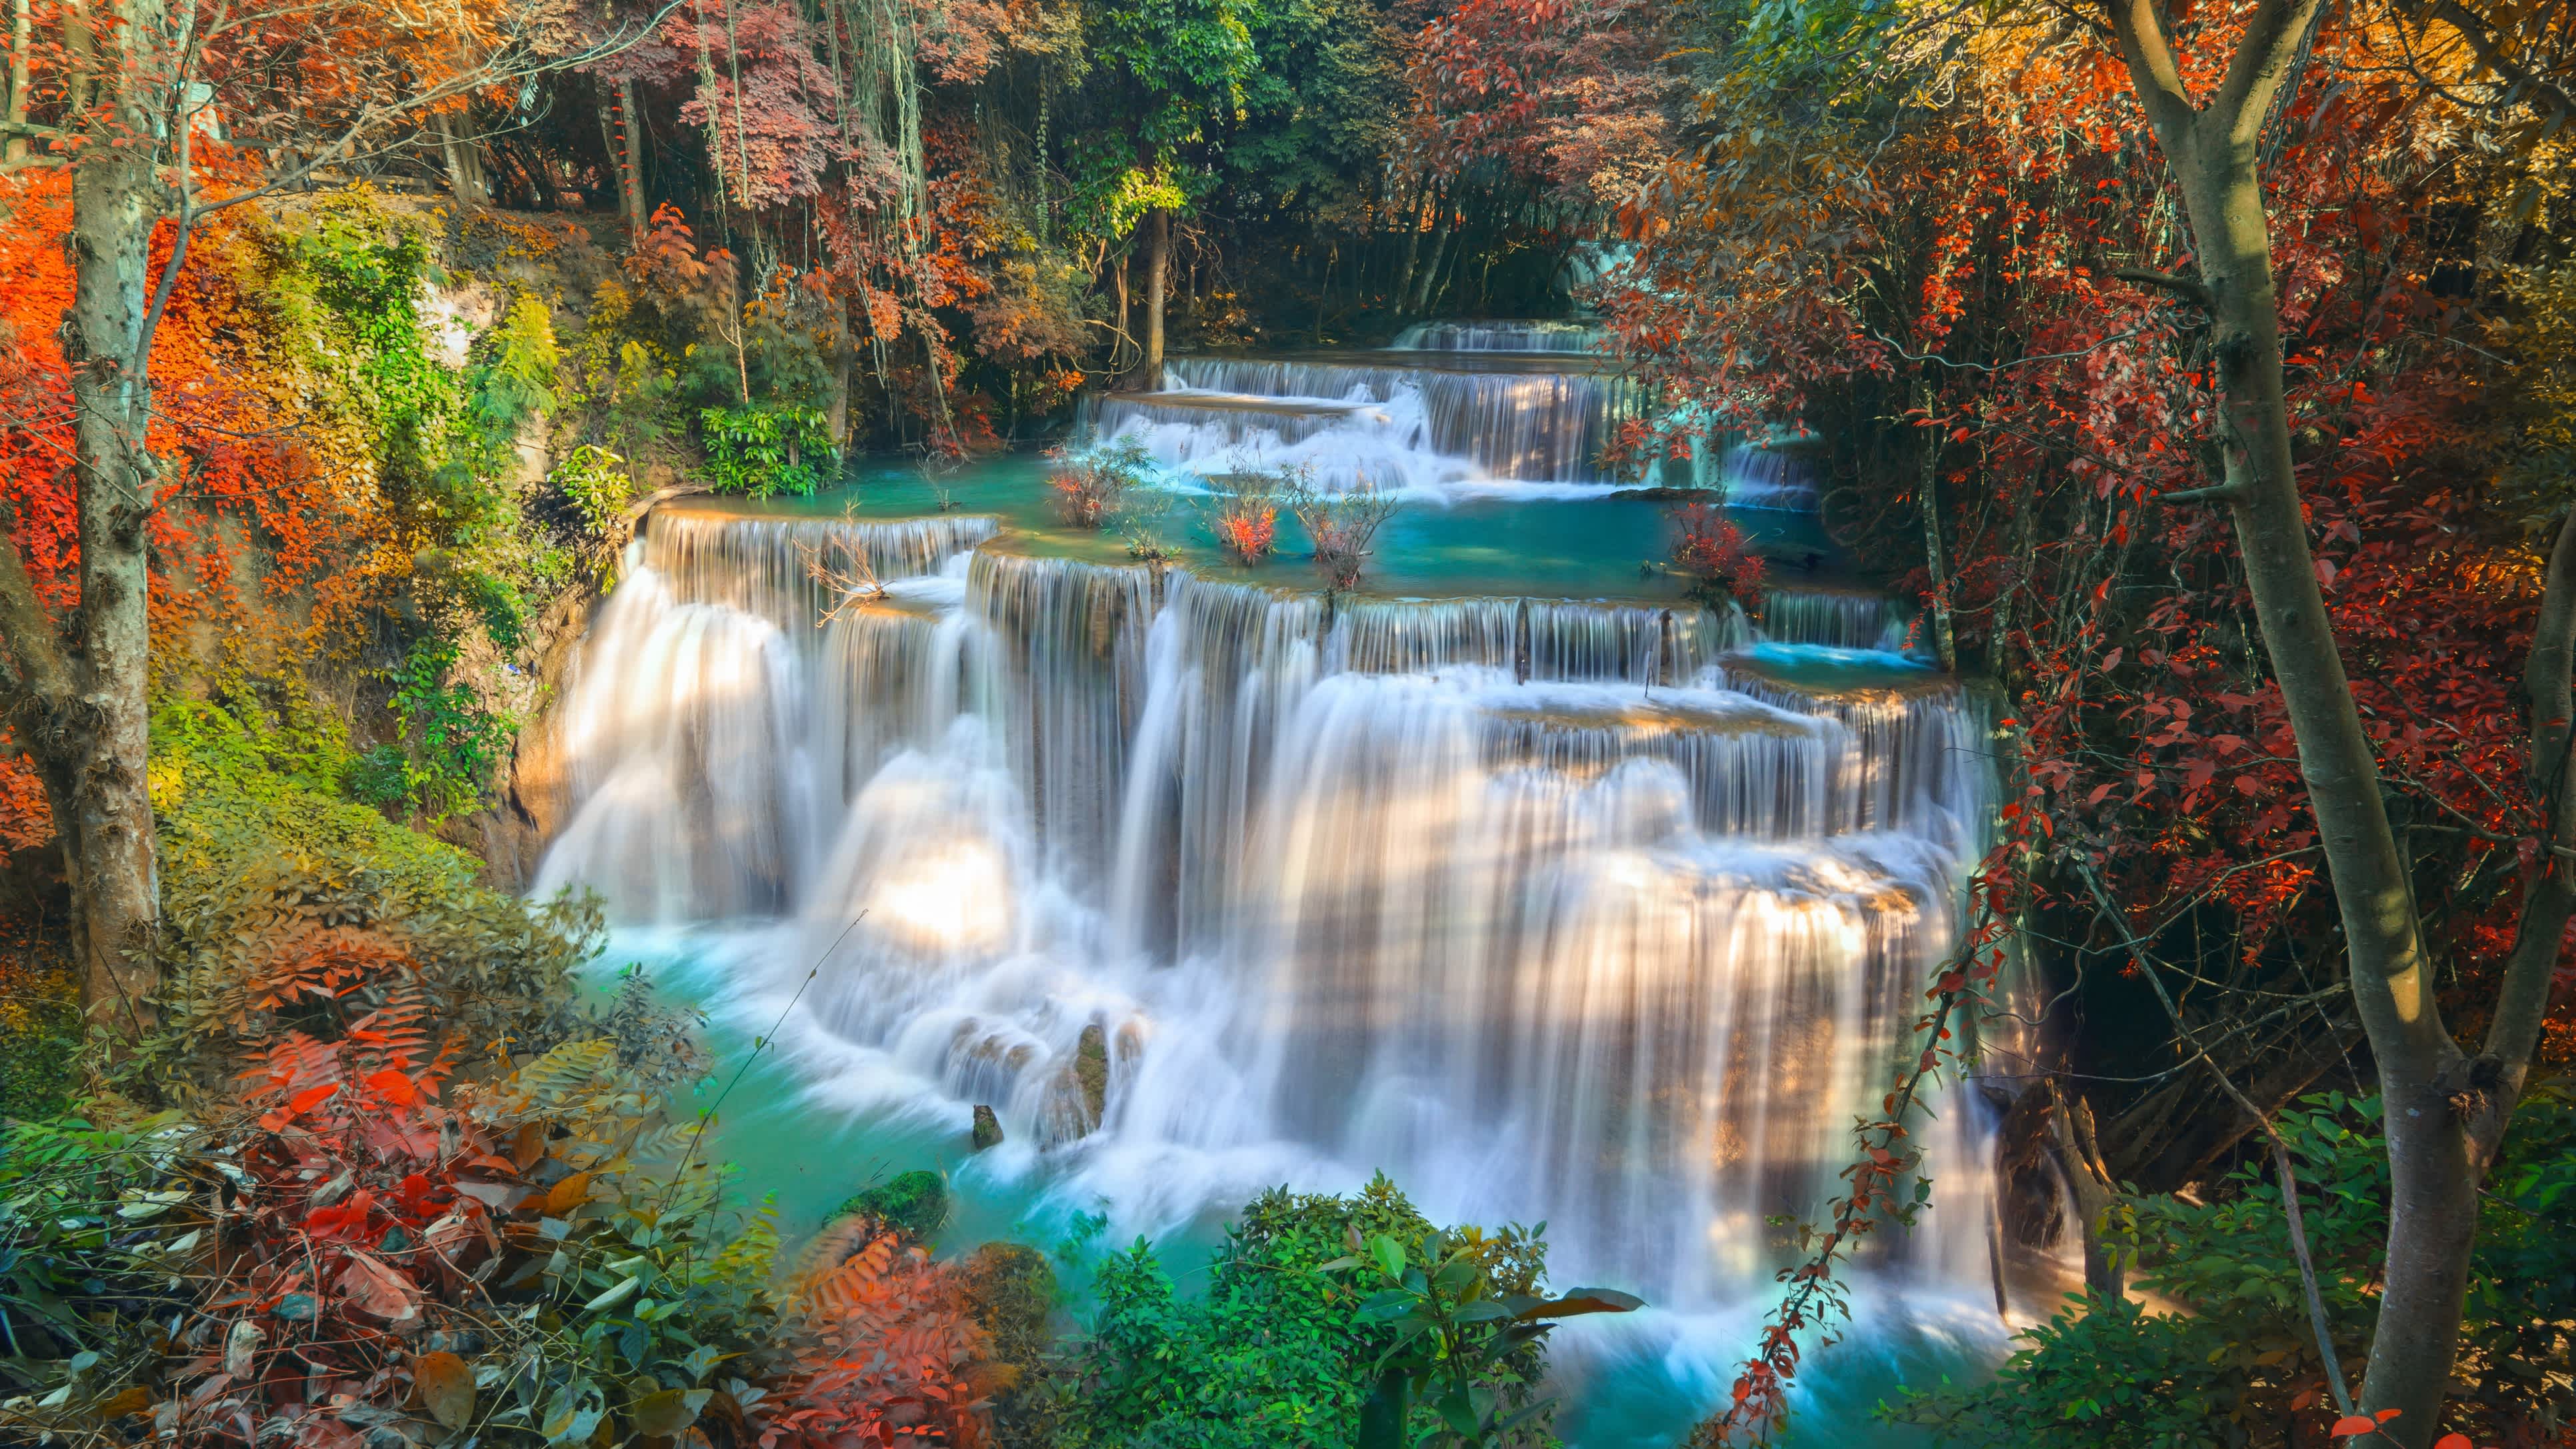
(2228,1355)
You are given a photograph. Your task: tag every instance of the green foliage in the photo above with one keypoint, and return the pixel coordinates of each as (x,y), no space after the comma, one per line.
(1464,1344)
(345,284)
(273,882)
(765,450)
(1011,1293)
(2539,396)
(1173,66)
(914,1204)
(1324,104)
(456,744)
(40,1039)
(79,1207)
(516,380)
(2242,1359)
(1278,1351)
(597,484)
(621,1290)
(378,776)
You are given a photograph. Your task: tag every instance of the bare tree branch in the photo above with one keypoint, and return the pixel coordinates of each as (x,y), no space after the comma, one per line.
(2265,63)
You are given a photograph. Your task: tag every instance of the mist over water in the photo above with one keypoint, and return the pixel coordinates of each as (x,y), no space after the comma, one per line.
(1607,915)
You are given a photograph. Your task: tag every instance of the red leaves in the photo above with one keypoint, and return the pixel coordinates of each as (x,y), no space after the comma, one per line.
(300,1104)
(883,1355)
(1713,551)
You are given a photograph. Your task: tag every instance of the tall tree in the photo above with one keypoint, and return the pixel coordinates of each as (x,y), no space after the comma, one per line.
(165,114)
(2446,1108)
(1163,69)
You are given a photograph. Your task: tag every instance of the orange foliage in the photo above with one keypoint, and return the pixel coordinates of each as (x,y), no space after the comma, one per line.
(883,1354)
(234,473)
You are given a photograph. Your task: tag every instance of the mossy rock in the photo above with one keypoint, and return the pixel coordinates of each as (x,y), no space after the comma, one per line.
(914,1204)
(1091,1073)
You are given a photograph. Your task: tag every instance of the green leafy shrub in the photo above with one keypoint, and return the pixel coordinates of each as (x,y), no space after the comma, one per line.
(2239,1366)
(1279,1350)
(766,449)
(1011,1292)
(277,892)
(597,484)
(40,1028)
(378,776)
(456,743)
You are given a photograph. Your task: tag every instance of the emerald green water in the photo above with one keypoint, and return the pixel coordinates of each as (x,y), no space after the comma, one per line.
(1624,1384)
(1593,548)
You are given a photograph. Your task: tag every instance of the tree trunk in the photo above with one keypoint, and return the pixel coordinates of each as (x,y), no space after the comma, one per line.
(2433,1189)
(1158,266)
(1421,301)
(630,159)
(2090,1181)
(845,361)
(1945,642)
(116,195)
(2434,1165)
(21,36)
(1413,224)
(464,162)
(1124,339)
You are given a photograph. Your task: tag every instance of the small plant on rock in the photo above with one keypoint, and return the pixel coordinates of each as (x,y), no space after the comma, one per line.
(1091,487)
(1713,555)
(1340,525)
(1244,513)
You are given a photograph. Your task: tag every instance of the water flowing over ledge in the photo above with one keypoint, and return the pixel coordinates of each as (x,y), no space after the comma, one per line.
(1595,913)
(1432,423)
(1499,337)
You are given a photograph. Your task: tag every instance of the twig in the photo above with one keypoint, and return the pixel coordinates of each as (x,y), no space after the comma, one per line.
(2280,1149)
(1898,348)
(759,1044)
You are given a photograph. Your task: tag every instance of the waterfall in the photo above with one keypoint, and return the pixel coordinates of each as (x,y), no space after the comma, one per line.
(1499,337)
(1430,422)
(1606,914)
(1840,618)
(1754,477)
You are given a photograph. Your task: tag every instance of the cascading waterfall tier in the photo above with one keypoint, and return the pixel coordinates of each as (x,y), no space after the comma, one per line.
(1499,337)
(1838,618)
(1431,419)
(1595,913)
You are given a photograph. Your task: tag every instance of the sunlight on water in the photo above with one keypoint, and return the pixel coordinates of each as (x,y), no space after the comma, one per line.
(1603,912)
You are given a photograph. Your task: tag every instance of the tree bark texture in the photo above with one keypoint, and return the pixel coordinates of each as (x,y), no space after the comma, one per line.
(76,693)
(464,161)
(2444,1113)
(630,158)
(1158,267)
(21,37)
